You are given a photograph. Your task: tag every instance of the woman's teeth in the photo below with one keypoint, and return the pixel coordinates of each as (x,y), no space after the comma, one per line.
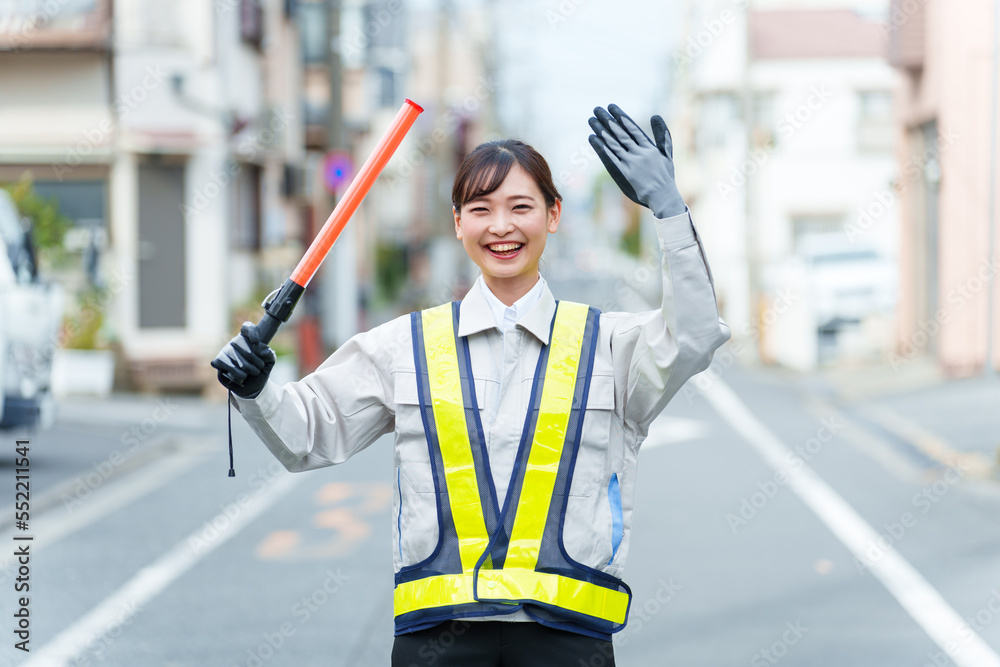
(505,248)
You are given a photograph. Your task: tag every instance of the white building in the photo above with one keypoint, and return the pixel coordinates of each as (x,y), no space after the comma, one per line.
(783,124)
(174,129)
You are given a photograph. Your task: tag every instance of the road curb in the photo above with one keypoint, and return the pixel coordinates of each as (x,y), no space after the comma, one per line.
(931,445)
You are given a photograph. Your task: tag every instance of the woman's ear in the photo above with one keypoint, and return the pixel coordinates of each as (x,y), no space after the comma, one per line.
(554,214)
(458,222)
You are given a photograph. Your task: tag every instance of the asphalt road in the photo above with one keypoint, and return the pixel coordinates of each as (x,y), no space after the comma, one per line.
(770,529)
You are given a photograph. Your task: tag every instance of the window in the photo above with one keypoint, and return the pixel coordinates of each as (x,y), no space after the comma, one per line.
(251,22)
(246,216)
(875,128)
(80,201)
(805,226)
(313,29)
(386,87)
(719,115)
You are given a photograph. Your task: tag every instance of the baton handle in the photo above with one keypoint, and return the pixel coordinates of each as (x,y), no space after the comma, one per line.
(279,309)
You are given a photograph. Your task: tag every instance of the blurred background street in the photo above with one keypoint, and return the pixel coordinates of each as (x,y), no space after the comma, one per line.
(827,493)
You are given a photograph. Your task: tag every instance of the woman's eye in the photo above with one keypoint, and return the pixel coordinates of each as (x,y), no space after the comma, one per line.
(523,207)
(479,209)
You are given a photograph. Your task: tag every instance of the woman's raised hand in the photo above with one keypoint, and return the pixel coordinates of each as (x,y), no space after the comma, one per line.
(644,170)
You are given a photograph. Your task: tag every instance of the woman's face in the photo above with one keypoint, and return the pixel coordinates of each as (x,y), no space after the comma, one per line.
(504,232)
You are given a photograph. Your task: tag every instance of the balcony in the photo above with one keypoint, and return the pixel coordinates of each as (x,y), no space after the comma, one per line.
(63,25)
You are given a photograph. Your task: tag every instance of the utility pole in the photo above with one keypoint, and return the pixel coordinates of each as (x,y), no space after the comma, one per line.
(990,370)
(339,277)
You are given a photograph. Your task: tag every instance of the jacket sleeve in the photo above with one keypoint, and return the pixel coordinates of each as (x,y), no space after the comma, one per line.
(334,412)
(655,352)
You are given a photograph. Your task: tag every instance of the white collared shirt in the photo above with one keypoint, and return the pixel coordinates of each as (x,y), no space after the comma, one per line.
(506,316)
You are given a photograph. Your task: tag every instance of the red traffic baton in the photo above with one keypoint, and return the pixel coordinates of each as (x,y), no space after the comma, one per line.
(280,303)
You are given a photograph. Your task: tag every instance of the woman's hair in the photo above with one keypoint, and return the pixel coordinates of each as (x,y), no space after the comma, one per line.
(483,170)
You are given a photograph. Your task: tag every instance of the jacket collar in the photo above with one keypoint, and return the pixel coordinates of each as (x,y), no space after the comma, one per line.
(475,315)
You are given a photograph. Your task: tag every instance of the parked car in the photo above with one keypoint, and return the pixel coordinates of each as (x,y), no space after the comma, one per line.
(845,281)
(30,315)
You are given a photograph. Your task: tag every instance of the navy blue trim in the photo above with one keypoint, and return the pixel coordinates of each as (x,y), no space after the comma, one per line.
(430,431)
(474,424)
(520,460)
(399,515)
(568,626)
(404,625)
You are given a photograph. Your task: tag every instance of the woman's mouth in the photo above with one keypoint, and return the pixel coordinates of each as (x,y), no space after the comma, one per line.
(504,250)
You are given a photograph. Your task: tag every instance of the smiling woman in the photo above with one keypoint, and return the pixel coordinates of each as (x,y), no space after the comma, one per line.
(516,418)
(504,205)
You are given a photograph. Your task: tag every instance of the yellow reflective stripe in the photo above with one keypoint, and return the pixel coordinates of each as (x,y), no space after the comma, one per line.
(453,434)
(508,585)
(438,591)
(550,435)
(580,596)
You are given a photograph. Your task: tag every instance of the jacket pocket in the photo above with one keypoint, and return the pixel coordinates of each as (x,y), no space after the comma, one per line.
(592,460)
(412,452)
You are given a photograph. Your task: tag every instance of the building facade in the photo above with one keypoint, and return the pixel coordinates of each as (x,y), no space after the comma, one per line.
(784,118)
(945,118)
(172,133)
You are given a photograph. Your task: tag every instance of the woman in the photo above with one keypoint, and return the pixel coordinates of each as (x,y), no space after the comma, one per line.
(517,419)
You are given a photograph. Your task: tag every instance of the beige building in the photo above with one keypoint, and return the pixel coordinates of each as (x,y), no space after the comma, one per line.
(945,118)
(171,134)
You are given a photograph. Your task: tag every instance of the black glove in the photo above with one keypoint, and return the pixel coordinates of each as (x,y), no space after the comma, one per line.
(244,363)
(644,170)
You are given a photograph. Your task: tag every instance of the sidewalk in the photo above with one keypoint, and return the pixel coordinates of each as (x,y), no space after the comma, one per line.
(946,419)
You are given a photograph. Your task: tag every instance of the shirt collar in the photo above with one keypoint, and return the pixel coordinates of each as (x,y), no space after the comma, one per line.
(534,310)
(500,310)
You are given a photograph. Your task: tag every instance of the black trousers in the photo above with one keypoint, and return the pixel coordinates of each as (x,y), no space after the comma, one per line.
(499,644)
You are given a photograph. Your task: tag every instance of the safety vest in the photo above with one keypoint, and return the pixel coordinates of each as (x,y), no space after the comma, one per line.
(491,560)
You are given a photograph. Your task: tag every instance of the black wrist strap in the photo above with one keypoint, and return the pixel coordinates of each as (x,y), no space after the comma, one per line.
(229,405)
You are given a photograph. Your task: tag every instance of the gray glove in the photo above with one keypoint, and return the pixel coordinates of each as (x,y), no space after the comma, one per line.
(642,169)
(244,363)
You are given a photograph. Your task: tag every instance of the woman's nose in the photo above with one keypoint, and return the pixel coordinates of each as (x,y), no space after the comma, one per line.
(501,224)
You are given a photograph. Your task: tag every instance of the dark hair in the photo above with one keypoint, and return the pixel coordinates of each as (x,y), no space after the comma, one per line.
(483,170)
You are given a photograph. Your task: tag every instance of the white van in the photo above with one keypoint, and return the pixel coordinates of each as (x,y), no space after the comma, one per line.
(30,315)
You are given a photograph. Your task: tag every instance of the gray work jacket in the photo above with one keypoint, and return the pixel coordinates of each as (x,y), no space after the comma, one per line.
(368,388)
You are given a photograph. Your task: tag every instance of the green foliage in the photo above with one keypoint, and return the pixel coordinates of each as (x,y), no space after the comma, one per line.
(48,225)
(82,329)
(631,238)
(392,268)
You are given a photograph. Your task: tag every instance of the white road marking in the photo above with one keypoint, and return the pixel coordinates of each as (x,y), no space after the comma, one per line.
(671,430)
(920,600)
(153,579)
(102,501)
